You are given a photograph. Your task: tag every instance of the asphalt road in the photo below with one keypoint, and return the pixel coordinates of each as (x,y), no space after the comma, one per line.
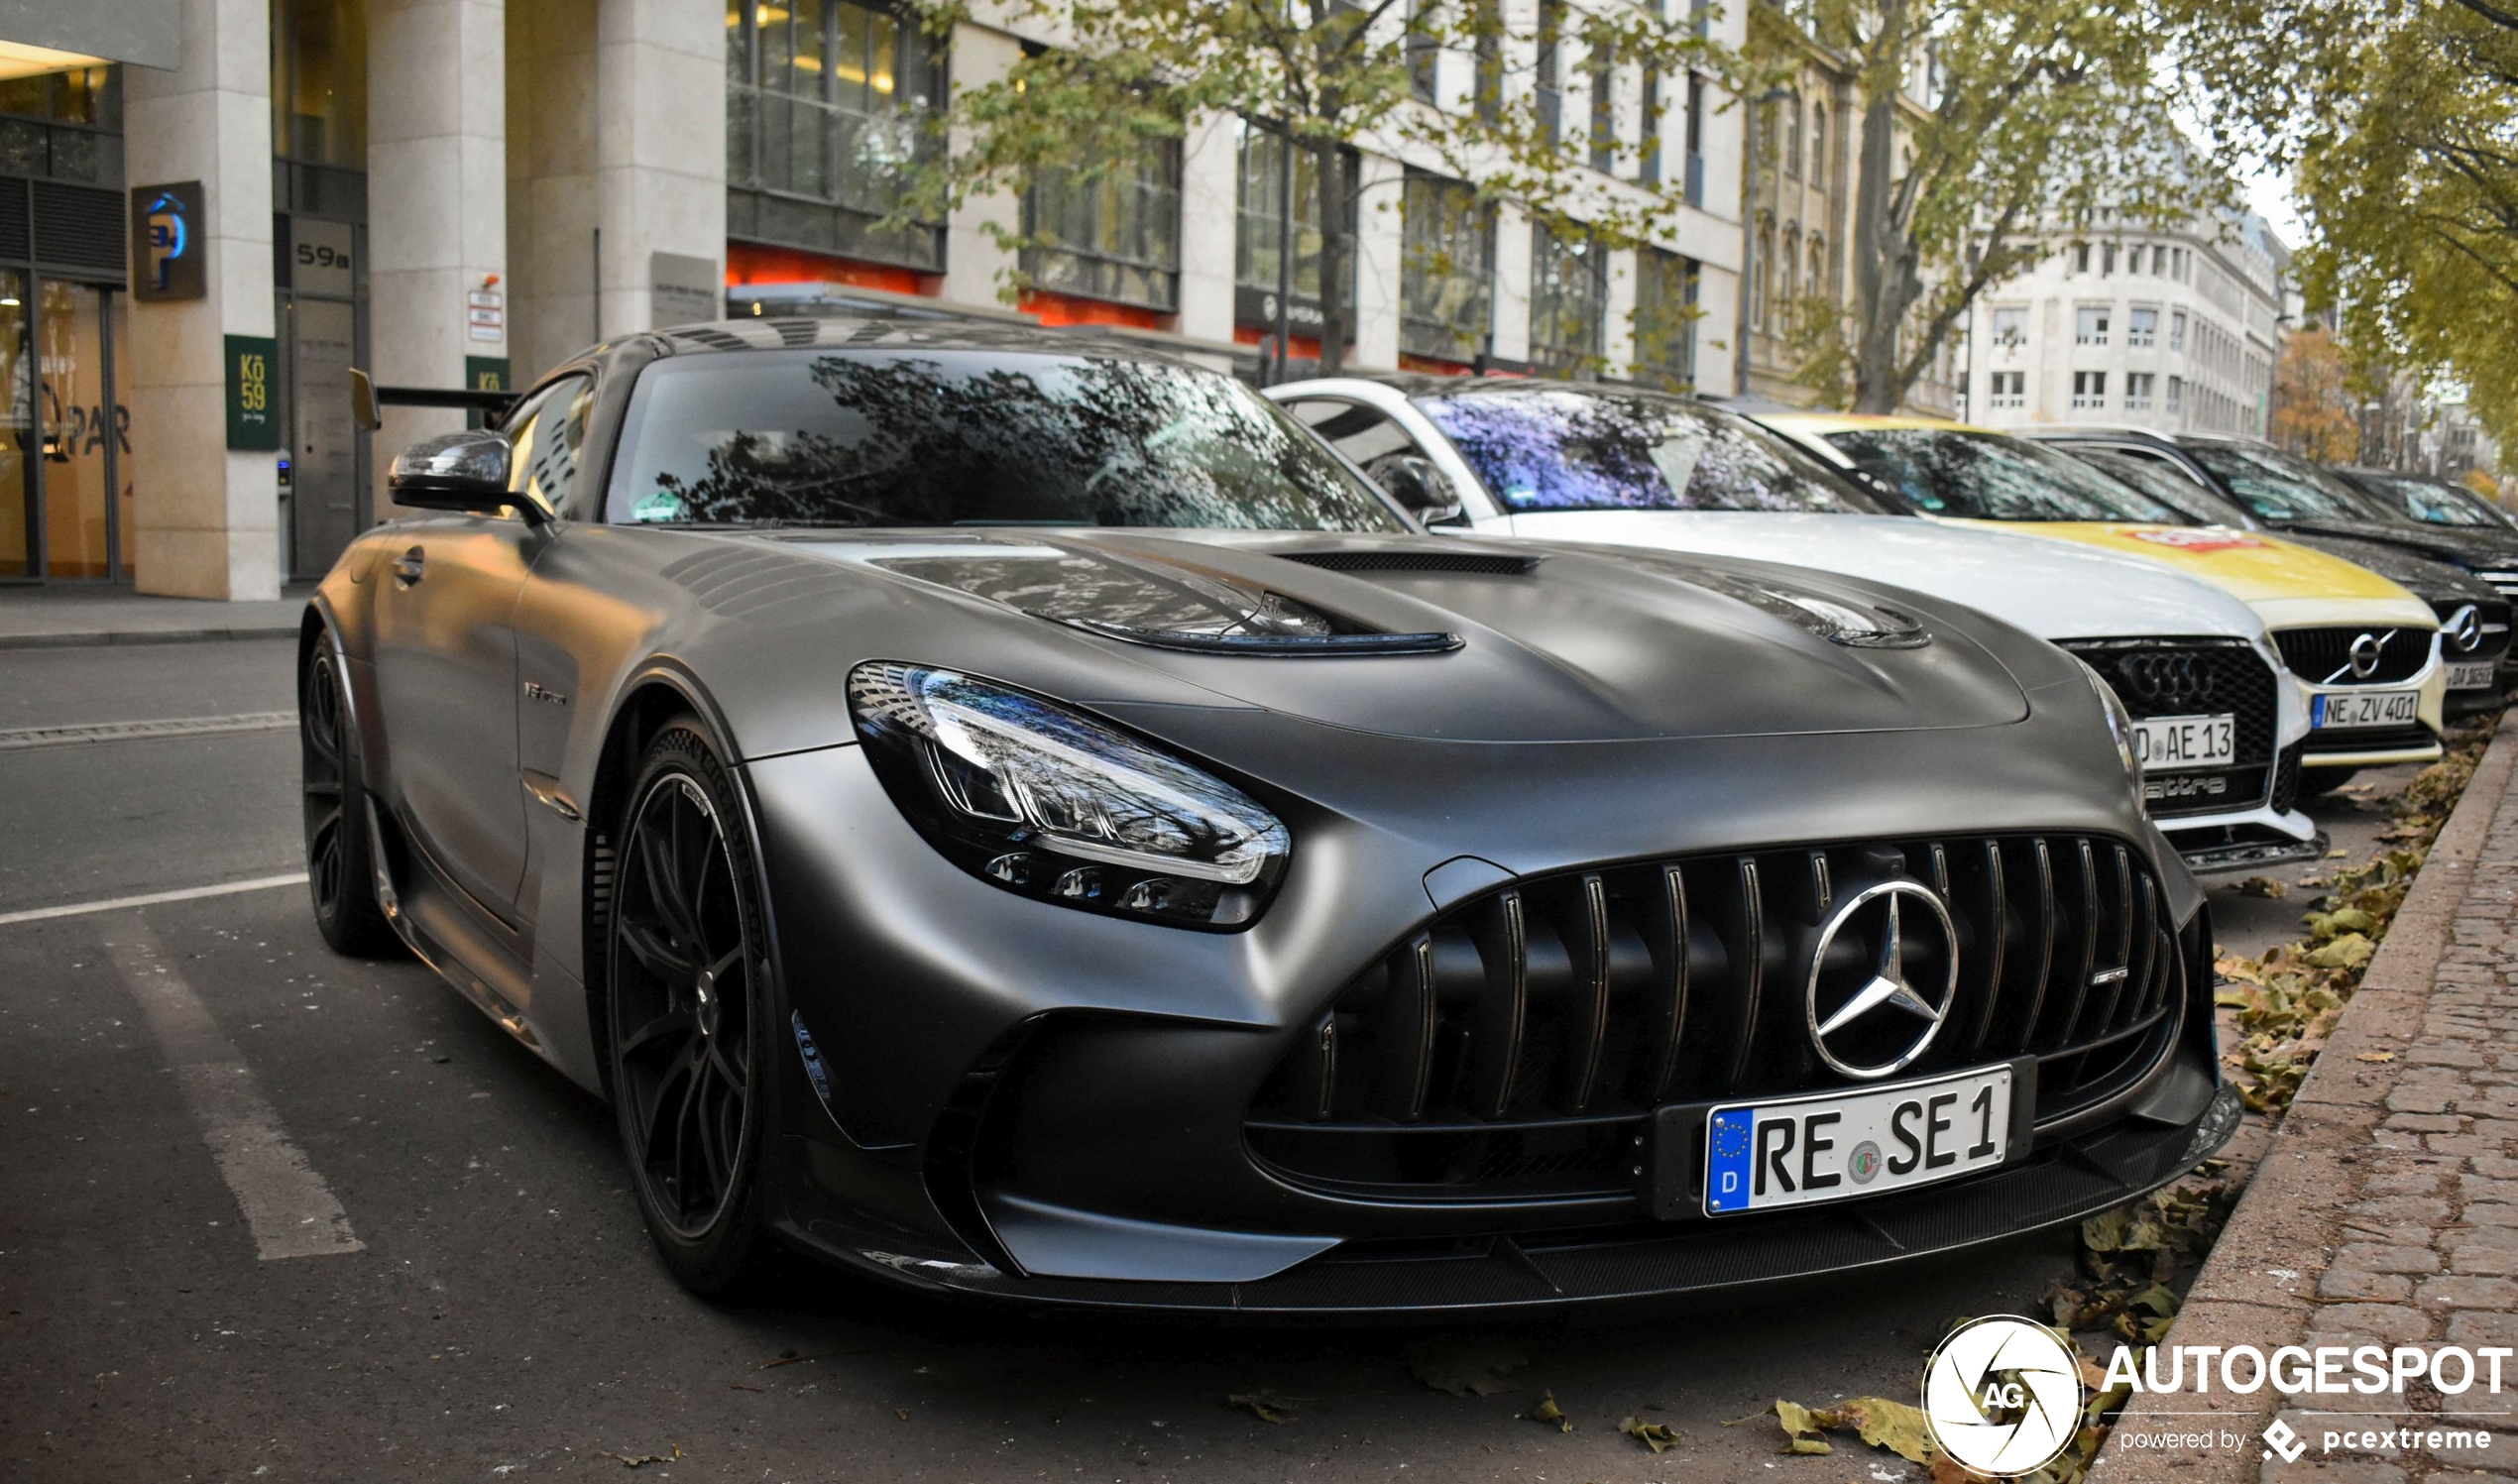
(194,1090)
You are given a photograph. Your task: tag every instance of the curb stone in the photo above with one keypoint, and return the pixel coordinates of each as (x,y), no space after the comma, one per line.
(2273,1278)
(81,639)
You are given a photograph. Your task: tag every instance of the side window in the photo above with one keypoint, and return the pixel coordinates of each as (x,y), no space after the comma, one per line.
(548,433)
(1357,431)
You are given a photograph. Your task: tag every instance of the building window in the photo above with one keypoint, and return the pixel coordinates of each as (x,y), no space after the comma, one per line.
(2176,394)
(2089,390)
(1818,268)
(1423,55)
(2090,325)
(1549,84)
(2009,390)
(2177,329)
(1648,166)
(1664,321)
(318,83)
(2080,257)
(1793,136)
(1818,144)
(1758,279)
(1604,110)
(1568,292)
(2137,390)
(2141,328)
(1114,235)
(1258,227)
(1791,274)
(1489,41)
(826,105)
(2107,258)
(1443,272)
(1694,182)
(2010,329)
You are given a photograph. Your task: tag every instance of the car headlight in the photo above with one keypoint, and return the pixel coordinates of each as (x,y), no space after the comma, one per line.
(2119,725)
(1053,805)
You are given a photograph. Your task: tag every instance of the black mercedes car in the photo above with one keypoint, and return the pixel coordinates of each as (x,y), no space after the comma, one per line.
(2426,499)
(1015,815)
(2468,576)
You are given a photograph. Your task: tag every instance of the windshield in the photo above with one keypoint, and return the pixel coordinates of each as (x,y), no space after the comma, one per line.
(2276,485)
(1553,449)
(2430,503)
(954,437)
(1985,476)
(2163,483)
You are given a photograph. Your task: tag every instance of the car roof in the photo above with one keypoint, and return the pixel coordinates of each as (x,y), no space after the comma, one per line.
(879,330)
(1824,423)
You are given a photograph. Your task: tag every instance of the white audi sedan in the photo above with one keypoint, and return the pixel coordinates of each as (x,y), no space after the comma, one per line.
(2220,722)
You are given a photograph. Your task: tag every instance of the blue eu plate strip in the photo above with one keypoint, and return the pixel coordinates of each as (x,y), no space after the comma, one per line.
(1729,1136)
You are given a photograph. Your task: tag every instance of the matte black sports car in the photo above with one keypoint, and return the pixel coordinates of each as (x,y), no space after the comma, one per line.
(1016,815)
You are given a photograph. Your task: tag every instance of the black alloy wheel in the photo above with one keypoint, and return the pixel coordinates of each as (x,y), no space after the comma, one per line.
(686,977)
(340,873)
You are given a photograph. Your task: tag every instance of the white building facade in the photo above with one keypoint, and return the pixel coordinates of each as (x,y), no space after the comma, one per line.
(2173,331)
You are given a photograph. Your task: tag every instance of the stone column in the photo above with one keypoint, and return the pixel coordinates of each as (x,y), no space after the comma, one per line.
(1210,183)
(1512,285)
(436,191)
(976,267)
(1380,246)
(659,149)
(550,63)
(207,519)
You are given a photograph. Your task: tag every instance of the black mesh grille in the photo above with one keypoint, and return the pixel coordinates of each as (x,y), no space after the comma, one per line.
(2323,656)
(1513,1046)
(76,226)
(2197,677)
(1495,564)
(2370,739)
(2286,779)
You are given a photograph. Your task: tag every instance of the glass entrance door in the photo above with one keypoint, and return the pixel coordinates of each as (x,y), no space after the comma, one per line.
(17,432)
(84,430)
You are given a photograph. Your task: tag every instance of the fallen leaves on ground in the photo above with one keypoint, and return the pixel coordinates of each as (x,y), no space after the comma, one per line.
(641,1460)
(2375,1056)
(2263,886)
(1465,1365)
(1265,1405)
(1876,1420)
(1547,1410)
(1655,1435)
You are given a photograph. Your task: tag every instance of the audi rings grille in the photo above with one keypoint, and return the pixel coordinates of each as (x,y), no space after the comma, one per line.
(1515,1047)
(2197,677)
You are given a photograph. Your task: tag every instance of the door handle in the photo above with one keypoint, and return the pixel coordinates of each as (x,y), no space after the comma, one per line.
(409,567)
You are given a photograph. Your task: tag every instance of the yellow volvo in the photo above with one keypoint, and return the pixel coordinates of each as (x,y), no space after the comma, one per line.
(2364,650)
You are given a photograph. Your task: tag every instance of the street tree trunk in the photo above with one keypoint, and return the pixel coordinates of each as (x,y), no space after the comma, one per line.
(1885,281)
(1331,168)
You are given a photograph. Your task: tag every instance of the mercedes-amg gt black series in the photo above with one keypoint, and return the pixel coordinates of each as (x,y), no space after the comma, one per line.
(1015,815)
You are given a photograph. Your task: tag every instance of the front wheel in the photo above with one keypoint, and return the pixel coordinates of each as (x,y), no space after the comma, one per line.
(341,853)
(686,980)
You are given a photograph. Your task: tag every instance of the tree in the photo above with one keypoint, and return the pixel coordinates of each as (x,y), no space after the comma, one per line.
(2038,121)
(1335,76)
(2313,401)
(2399,120)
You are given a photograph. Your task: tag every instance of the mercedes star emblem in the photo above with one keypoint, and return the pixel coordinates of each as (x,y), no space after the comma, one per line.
(1883,1022)
(2464,628)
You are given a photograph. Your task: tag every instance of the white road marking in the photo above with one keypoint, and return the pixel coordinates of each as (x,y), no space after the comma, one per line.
(96,732)
(290,1209)
(152,899)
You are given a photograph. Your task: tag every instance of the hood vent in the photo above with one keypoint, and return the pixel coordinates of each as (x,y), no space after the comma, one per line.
(1483,563)
(1275,646)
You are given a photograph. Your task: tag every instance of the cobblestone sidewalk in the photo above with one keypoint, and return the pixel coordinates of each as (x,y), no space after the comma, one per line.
(2386,1210)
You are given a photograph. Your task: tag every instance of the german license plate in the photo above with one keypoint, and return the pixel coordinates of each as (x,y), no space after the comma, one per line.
(1795,1151)
(2340,710)
(2473,675)
(2168,745)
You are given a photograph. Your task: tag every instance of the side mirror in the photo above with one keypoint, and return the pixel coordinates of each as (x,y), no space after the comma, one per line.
(1414,480)
(465,471)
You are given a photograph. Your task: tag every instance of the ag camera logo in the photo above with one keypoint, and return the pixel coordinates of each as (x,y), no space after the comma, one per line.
(2002,1395)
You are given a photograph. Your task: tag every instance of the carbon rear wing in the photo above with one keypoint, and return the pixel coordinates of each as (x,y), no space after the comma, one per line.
(369,401)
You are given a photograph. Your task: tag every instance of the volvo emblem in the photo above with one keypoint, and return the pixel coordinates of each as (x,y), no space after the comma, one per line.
(2464,628)
(2167,679)
(1871,1017)
(2366,652)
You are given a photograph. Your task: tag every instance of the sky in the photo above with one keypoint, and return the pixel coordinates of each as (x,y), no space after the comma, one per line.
(2269,194)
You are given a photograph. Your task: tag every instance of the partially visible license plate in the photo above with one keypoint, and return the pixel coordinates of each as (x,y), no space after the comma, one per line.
(2473,675)
(1793,1151)
(2167,744)
(2338,710)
